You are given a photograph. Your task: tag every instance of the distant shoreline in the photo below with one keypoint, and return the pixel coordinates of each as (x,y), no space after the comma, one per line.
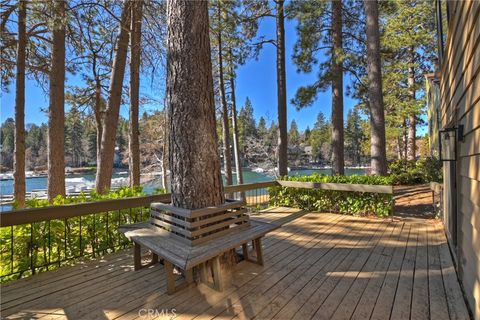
(8,175)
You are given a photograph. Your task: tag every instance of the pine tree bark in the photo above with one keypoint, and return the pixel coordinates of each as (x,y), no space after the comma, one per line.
(56,113)
(236,147)
(165,151)
(412,128)
(105,165)
(405,138)
(98,116)
(412,131)
(377,113)
(19,160)
(196,180)
(227,155)
(135,45)
(338,162)
(399,148)
(281,91)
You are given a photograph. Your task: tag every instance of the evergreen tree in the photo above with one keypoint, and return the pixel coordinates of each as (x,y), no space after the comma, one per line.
(135,58)
(262,127)
(330,28)
(306,134)
(246,122)
(194,158)
(271,135)
(293,134)
(375,97)
(319,140)
(36,146)
(74,137)
(19,187)
(354,137)
(91,144)
(409,42)
(56,110)
(7,142)
(111,119)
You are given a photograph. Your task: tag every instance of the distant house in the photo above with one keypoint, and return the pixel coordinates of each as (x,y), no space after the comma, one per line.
(454,114)
(300,155)
(308,154)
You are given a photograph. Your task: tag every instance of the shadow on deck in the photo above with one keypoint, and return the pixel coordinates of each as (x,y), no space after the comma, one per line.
(318,265)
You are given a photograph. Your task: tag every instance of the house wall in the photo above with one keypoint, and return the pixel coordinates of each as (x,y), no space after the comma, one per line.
(460,105)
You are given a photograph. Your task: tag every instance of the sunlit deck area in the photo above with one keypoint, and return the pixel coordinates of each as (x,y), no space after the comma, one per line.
(318,265)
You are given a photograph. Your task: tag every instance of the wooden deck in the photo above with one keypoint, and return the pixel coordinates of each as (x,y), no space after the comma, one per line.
(317,266)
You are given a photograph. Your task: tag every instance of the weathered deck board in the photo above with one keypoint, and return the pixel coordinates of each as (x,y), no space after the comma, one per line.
(316,265)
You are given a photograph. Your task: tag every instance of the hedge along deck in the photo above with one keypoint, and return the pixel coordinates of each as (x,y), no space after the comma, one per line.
(352,187)
(349,187)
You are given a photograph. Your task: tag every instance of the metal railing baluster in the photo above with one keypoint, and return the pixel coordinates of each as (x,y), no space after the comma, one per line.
(11,249)
(49,244)
(32,267)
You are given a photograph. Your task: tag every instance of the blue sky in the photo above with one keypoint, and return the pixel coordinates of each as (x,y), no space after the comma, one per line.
(256,79)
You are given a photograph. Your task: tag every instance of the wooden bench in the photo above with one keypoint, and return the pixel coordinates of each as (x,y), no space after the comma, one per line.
(175,252)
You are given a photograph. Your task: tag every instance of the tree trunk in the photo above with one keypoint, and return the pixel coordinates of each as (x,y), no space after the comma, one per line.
(19,161)
(227,155)
(196,180)
(236,147)
(281,92)
(133,143)
(399,148)
(98,117)
(165,151)
(411,149)
(105,166)
(56,121)
(405,138)
(338,162)
(377,113)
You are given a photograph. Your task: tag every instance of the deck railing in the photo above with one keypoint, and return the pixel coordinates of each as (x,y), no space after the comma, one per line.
(40,239)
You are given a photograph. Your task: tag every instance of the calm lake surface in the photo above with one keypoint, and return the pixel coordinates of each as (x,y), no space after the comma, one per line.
(6,186)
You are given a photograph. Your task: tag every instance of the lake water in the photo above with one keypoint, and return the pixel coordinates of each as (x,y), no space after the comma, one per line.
(6,186)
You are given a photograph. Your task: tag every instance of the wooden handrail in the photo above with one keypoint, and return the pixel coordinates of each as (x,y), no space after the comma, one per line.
(250,186)
(33,215)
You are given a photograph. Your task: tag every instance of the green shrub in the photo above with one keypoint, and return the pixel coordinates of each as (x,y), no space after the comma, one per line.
(355,203)
(405,172)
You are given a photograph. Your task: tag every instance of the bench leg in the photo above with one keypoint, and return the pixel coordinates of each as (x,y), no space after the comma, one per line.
(259,250)
(154,258)
(217,275)
(245,251)
(203,273)
(137,257)
(170,278)
(189,276)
